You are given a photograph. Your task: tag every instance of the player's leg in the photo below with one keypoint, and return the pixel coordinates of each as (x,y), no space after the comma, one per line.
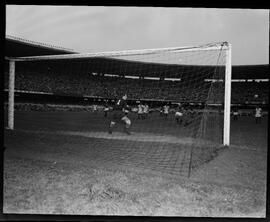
(180,120)
(166,116)
(186,121)
(112,124)
(114,119)
(127,123)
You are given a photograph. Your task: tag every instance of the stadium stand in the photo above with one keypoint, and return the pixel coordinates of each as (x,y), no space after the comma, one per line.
(114,87)
(86,84)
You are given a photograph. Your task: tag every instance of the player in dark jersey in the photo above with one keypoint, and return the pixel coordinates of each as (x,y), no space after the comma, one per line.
(106,109)
(120,115)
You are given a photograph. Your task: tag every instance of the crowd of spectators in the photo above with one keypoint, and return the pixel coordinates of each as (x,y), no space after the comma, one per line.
(248,92)
(115,87)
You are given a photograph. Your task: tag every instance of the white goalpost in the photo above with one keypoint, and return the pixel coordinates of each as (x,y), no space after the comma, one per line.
(11,86)
(227,99)
(147,61)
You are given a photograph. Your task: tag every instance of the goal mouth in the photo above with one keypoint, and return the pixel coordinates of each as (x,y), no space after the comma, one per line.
(195,81)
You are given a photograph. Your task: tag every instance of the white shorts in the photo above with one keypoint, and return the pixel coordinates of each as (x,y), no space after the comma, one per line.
(126,120)
(178,114)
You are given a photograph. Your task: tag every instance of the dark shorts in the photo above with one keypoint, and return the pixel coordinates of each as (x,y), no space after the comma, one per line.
(117,116)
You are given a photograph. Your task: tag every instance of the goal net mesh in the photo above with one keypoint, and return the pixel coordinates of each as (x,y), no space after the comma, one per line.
(190,82)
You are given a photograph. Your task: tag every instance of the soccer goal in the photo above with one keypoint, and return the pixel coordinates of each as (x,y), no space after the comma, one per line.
(194,81)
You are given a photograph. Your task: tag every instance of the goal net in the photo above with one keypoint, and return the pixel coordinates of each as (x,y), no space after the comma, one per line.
(184,88)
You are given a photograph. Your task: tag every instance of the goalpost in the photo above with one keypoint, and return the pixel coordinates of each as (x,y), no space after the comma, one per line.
(11,86)
(189,66)
(227,99)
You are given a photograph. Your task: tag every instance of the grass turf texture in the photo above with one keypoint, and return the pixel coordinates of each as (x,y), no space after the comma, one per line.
(54,174)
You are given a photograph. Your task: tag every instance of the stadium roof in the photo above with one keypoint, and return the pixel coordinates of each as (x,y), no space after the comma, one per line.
(17,47)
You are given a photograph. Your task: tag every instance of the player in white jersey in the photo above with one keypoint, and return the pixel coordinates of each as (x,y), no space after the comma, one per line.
(145,111)
(166,111)
(94,108)
(258,115)
(179,114)
(143,116)
(140,111)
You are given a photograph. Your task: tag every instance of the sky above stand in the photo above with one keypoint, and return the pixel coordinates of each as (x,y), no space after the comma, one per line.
(88,29)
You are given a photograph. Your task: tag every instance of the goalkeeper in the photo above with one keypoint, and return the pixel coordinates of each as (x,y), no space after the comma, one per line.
(120,115)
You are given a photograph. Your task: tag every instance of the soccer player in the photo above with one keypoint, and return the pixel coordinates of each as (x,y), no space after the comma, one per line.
(192,112)
(161,111)
(235,114)
(140,111)
(120,115)
(166,111)
(258,114)
(145,111)
(106,110)
(179,115)
(94,108)
(188,116)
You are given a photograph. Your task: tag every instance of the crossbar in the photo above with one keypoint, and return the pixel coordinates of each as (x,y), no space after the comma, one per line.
(216,46)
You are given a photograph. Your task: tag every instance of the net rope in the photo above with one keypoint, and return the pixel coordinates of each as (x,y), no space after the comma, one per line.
(188,80)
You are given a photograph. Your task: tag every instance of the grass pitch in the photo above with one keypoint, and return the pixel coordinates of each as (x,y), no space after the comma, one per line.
(54,173)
